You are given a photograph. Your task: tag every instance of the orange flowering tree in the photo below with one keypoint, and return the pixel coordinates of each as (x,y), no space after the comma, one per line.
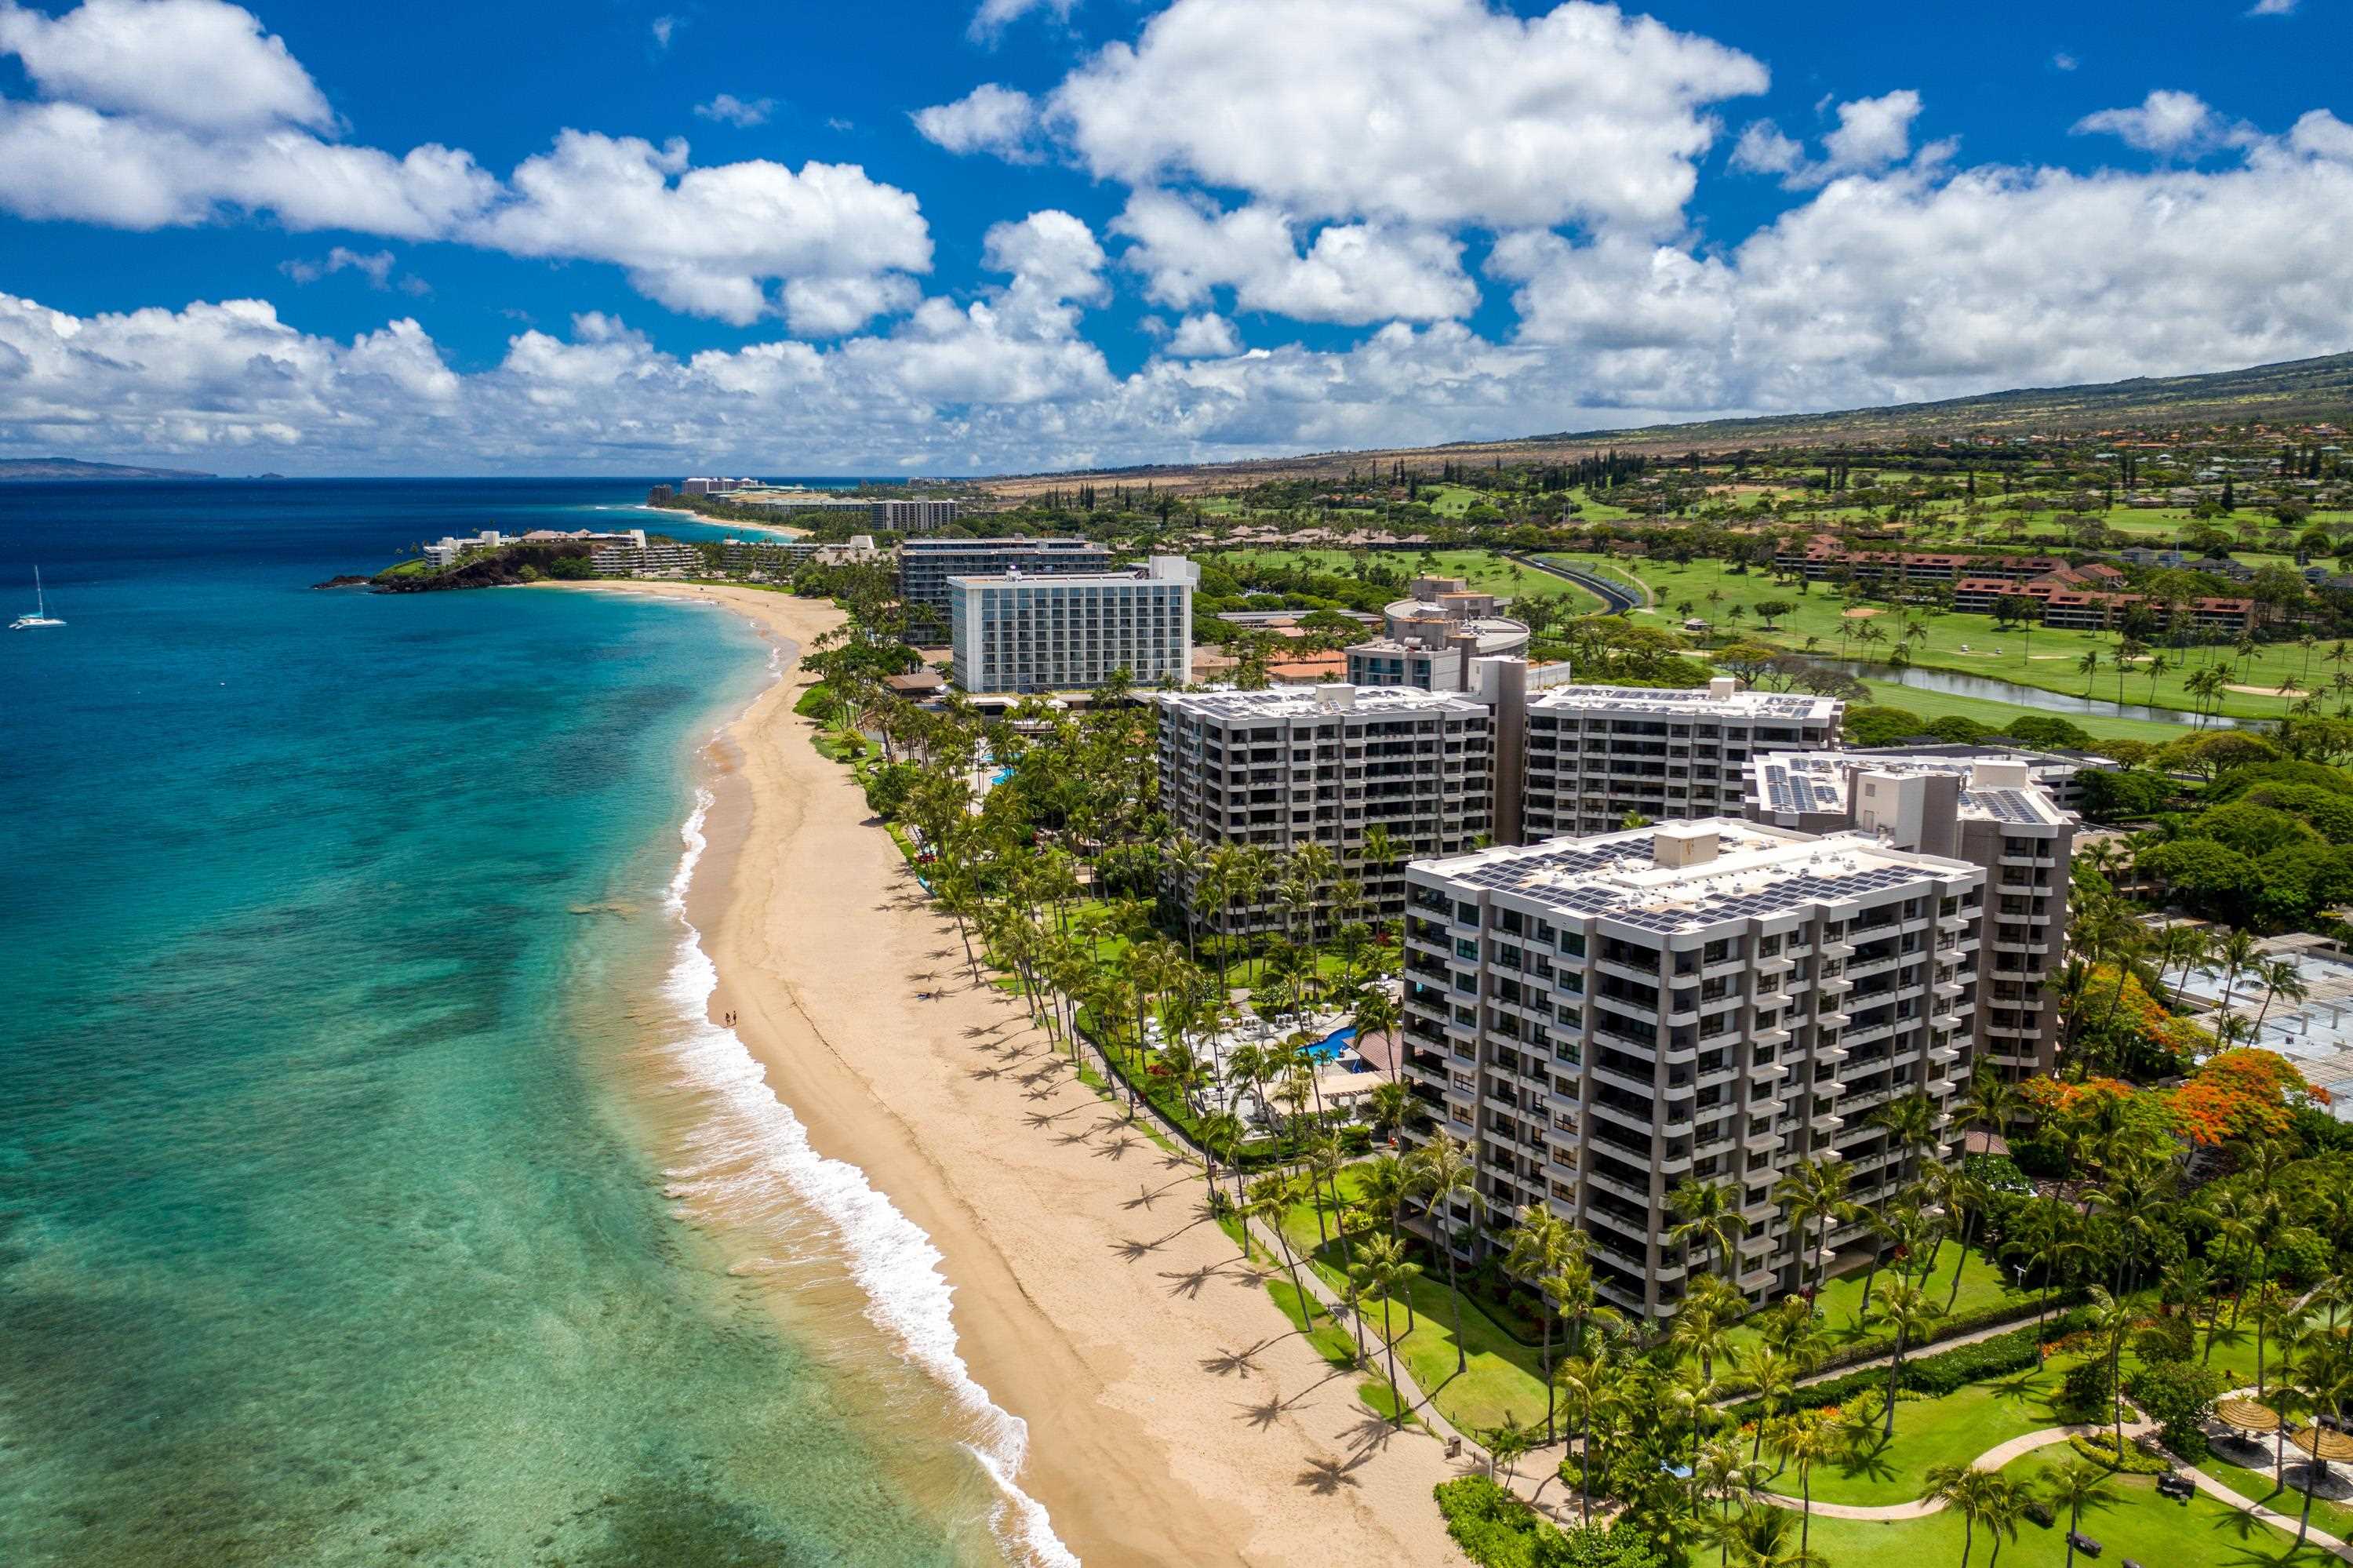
(2245,1092)
(2119,1025)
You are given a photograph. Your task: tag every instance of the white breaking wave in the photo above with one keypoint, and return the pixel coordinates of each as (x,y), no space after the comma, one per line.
(892,1261)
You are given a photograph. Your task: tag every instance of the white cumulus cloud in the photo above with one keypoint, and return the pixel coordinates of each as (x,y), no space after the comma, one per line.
(199,63)
(376,265)
(1205,337)
(995,16)
(1432,113)
(988,119)
(161,114)
(1353,273)
(1871,134)
(703,241)
(729,109)
(2168,122)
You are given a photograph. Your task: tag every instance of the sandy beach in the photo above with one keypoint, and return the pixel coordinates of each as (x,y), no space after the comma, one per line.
(1173,1416)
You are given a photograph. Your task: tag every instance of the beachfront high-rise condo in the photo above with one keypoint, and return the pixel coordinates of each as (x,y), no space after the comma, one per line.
(1022,633)
(926,564)
(1602,1018)
(1325,764)
(1595,753)
(1990,811)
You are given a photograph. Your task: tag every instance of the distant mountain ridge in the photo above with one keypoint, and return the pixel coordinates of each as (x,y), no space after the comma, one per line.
(74,468)
(2293,391)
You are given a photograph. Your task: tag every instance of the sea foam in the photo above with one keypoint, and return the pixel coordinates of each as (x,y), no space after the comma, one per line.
(891,1258)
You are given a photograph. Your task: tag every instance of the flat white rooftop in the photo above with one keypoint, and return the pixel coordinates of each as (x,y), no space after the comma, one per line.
(1315,702)
(1732,870)
(1820,780)
(1058,580)
(1793,706)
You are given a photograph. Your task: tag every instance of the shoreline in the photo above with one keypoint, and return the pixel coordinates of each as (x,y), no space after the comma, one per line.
(1170,1413)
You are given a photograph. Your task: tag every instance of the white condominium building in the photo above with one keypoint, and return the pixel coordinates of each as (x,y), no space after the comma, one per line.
(1434,638)
(1595,753)
(1990,811)
(1326,764)
(1018,633)
(926,564)
(1603,1018)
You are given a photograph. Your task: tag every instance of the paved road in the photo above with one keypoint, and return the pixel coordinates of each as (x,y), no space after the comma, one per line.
(1616,596)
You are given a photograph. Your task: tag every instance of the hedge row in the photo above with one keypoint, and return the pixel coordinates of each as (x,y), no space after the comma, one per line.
(1936,1375)
(1496,1530)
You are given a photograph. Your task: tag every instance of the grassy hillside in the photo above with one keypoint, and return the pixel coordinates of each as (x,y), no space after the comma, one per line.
(2301,389)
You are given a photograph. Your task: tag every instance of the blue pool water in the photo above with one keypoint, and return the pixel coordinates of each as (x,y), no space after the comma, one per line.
(1329,1048)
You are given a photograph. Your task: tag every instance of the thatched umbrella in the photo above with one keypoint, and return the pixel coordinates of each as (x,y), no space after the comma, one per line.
(2245,1416)
(2322,1443)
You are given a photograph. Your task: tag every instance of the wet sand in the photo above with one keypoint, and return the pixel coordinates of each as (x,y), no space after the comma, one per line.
(1172,1415)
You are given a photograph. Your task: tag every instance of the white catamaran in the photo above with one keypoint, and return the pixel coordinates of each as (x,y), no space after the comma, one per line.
(40,616)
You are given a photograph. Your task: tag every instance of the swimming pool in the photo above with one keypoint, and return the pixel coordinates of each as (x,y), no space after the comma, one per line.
(1329,1048)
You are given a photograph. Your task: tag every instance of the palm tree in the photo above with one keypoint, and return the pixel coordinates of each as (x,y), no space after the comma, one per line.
(1980,1497)
(2327,1388)
(1707,1214)
(1542,1243)
(1383,1271)
(1904,1308)
(1993,1102)
(1814,1193)
(1270,1200)
(1445,1175)
(1583,1384)
(1774,1376)
(1376,1013)
(2088,666)
(2111,1321)
(2281,978)
(1804,1439)
(1764,1537)
(1184,861)
(1222,1139)
(2075,1486)
(2236,954)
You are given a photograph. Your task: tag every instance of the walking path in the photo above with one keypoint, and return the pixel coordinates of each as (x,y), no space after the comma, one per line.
(1418,1404)
(2002,1454)
(1913,1354)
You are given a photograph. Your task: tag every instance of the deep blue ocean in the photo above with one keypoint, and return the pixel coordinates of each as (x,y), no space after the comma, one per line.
(345,1094)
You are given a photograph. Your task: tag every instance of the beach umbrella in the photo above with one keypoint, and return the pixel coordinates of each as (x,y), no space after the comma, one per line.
(2330,1447)
(2246,1415)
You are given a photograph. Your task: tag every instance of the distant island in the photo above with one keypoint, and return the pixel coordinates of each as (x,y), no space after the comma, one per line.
(74,468)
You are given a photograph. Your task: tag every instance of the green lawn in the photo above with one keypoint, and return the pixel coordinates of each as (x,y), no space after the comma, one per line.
(1819,623)
(1482,569)
(1502,1376)
(1998,716)
(2336,1519)
(2140,1525)
(1953,1430)
(1983,1286)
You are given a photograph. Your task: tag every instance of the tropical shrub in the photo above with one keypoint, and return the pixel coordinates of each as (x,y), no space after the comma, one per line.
(1496,1530)
(2179,1397)
(1934,1375)
(2100,1448)
(2087,1391)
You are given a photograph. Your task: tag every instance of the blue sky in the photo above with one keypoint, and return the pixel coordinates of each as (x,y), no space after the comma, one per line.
(1016,234)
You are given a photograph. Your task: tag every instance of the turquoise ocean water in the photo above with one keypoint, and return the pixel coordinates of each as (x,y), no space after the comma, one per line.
(370,1191)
